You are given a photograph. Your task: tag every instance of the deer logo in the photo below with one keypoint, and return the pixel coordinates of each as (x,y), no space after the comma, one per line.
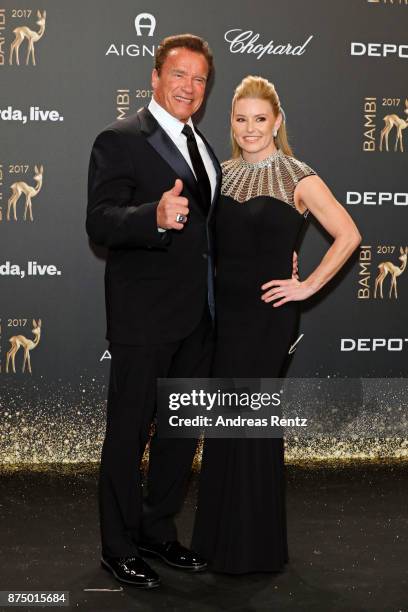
(27,344)
(388,267)
(30,192)
(32,37)
(394,121)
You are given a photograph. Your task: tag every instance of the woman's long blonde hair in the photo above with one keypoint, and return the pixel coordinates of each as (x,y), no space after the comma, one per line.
(258,87)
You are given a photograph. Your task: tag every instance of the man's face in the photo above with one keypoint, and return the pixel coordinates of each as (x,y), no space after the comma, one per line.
(180,87)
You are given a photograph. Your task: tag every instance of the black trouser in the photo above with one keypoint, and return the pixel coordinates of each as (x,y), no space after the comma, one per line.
(131,407)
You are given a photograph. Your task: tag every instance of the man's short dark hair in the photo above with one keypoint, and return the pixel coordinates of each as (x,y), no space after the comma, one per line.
(184,41)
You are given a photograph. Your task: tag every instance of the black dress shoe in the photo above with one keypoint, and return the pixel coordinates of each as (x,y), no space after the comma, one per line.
(132,570)
(174,554)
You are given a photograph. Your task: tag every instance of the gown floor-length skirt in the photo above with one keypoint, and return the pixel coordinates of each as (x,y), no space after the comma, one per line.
(240,524)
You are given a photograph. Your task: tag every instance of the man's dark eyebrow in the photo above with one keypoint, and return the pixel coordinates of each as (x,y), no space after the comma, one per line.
(201,76)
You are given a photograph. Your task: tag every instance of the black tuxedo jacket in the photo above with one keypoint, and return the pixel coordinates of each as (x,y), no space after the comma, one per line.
(156,284)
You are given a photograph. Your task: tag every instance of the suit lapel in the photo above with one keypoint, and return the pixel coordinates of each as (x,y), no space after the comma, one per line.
(166,148)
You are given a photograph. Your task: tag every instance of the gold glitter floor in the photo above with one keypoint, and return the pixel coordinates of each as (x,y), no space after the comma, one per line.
(55,422)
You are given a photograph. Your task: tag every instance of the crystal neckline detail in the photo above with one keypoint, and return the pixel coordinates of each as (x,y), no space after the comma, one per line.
(263,163)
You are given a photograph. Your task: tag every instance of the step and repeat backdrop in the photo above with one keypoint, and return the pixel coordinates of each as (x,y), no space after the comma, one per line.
(67,69)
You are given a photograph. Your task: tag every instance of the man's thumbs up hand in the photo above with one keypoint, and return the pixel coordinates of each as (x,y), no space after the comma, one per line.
(178,187)
(171,207)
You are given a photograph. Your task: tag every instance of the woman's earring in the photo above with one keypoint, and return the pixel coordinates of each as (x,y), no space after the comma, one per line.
(275,132)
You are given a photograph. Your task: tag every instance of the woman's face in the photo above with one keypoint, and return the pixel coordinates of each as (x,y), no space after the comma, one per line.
(253,123)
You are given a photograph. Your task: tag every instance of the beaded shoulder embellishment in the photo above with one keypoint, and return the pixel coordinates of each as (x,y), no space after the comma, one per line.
(276,176)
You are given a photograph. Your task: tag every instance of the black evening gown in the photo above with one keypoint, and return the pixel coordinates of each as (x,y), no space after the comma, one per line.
(240,523)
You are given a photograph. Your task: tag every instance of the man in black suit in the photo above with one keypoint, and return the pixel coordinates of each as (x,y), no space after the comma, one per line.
(153,183)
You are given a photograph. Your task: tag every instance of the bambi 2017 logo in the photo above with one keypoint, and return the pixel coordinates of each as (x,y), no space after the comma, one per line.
(25,185)
(24,29)
(20,344)
(384,121)
(378,266)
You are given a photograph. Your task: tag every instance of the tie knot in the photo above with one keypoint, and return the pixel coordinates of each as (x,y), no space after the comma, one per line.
(187,131)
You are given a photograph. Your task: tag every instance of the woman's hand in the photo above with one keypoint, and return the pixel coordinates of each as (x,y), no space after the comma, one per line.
(295,267)
(286,290)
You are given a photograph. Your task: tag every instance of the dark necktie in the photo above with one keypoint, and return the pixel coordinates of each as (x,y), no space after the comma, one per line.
(202,177)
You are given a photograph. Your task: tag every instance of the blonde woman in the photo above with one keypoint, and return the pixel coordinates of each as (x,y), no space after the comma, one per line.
(267,195)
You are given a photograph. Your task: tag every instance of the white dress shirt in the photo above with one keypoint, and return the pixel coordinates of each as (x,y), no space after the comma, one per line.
(173,127)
